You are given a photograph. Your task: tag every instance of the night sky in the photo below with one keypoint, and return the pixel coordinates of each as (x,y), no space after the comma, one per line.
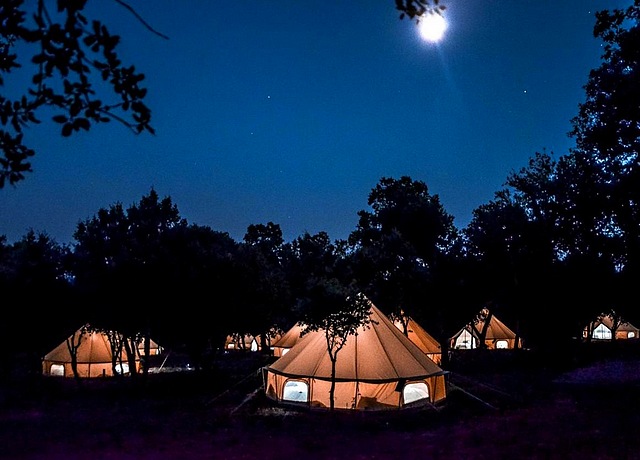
(291,111)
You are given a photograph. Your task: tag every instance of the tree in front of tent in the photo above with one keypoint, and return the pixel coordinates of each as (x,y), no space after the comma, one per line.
(33,268)
(507,257)
(616,321)
(73,344)
(328,299)
(331,309)
(124,267)
(262,281)
(401,253)
(484,317)
(120,344)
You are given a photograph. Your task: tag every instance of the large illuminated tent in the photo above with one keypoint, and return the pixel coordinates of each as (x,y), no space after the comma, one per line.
(93,354)
(498,335)
(418,335)
(378,368)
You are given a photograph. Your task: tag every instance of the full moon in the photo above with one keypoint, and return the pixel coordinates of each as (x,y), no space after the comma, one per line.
(432,27)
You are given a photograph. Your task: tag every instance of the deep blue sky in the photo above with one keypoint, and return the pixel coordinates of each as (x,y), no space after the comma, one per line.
(292,111)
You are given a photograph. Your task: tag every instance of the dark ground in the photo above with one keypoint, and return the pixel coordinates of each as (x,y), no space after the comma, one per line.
(517,408)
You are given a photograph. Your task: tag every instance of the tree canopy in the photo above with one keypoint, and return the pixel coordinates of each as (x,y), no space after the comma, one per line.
(71,57)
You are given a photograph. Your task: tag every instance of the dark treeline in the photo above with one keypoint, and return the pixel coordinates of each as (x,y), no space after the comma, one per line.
(556,247)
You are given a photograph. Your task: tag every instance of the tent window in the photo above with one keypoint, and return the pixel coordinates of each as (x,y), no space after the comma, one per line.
(415,392)
(502,344)
(631,335)
(295,390)
(122,369)
(285,351)
(602,332)
(57,369)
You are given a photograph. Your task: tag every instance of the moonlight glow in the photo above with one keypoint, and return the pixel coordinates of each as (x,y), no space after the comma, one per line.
(432,27)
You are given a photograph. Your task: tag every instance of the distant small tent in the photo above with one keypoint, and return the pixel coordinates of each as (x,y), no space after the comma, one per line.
(287,340)
(498,335)
(602,329)
(238,341)
(93,356)
(418,335)
(248,342)
(379,368)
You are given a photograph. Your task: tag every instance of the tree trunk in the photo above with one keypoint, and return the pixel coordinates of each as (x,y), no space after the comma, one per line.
(131,350)
(73,346)
(147,353)
(332,390)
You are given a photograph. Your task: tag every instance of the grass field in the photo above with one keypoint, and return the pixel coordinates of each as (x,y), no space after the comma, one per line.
(524,410)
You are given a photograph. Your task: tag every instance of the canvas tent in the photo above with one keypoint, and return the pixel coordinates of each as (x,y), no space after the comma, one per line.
(154,348)
(241,342)
(93,356)
(418,335)
(284,343)
(602,329)
(248,342)
(379,368)
(498,335)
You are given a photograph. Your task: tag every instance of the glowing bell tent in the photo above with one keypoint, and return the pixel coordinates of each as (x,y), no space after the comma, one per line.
(283,344)
(498,335)
(248,342)
(378,368)
(602,329)
(241,342)
(93,356)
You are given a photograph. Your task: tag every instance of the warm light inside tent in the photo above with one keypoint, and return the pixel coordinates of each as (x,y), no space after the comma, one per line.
(602,332)
(502,344)
(465,341)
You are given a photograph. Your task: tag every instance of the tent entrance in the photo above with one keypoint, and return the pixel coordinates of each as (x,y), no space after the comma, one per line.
(602,332)
(465,341)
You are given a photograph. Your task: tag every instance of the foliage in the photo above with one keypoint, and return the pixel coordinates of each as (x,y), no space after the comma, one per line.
(67,49)
(121,263)
(402,250)
(39,299)
(607,134)
(338,316)
(146,271)
(263,291)
(415,9)
(561,240)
